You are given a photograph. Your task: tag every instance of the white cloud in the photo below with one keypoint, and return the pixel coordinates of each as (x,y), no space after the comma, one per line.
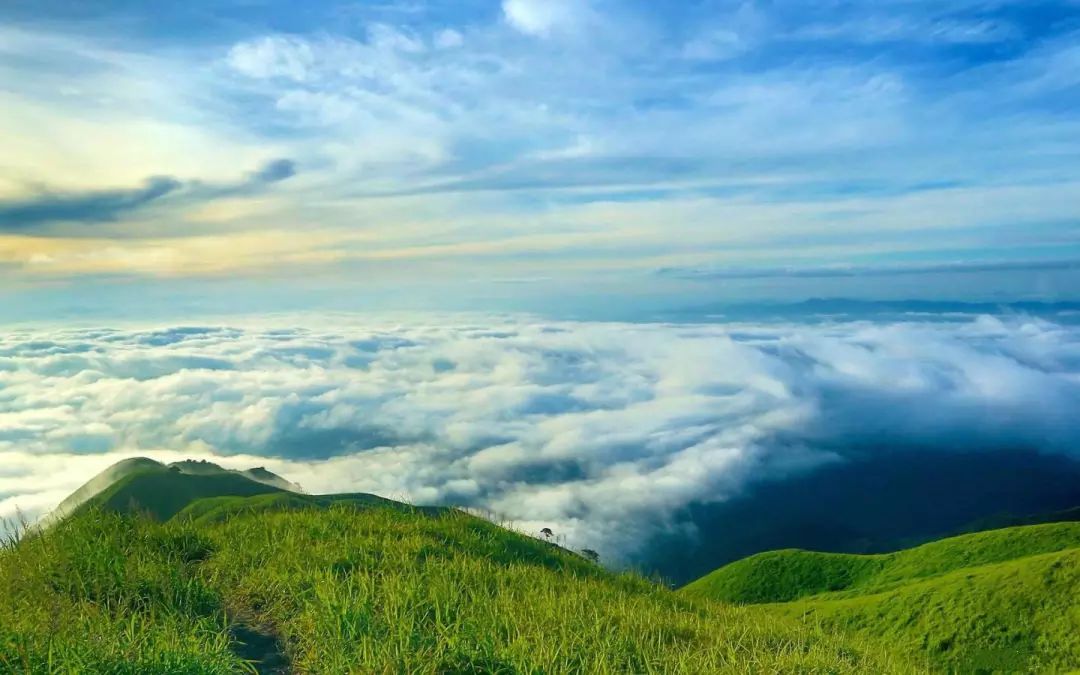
(715,45)
(917,29)
(273,56)
(600,431)
(542,18)
(448,38)
(86,114)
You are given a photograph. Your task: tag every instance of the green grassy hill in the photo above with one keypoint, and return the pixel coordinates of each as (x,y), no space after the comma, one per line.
(203,493)
(162,493)
(1003,599)
(1017,616)
(188,569)
(216,509)
(162,490)
(782,576)
(101,482)
(330,588)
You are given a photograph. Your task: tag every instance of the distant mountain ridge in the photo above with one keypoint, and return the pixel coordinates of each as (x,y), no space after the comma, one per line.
(850,307)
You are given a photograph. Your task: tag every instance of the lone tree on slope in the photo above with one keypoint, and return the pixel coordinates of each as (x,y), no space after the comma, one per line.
(548,534)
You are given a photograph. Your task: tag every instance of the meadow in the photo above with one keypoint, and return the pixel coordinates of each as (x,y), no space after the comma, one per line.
(996,601)
(180,569)
(341,589)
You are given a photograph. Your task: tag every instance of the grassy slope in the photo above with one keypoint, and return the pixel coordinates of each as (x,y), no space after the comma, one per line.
(1020,615)
(782,576)
(102,594)
(162,493)
(1004,599)
(216,509)
(368,590)
(100,482)
(389,588)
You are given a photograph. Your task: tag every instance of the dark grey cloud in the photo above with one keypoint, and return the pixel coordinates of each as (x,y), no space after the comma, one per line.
(273,172)
(265,176)
(86,207)
(104,206)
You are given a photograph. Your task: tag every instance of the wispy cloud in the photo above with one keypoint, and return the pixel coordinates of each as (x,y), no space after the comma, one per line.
(435,126)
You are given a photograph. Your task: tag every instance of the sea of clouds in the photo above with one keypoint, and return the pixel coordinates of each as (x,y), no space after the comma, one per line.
(601,431)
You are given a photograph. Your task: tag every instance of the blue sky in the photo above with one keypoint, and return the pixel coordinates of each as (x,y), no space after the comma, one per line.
(516,154)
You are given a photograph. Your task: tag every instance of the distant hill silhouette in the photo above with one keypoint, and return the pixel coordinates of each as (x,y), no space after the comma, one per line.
(935,310)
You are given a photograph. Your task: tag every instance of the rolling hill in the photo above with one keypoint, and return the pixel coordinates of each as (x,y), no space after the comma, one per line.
(280,582)
(188,569)
(202,492)
(782,576)
(1014,616)
(1002,599)
(101,482)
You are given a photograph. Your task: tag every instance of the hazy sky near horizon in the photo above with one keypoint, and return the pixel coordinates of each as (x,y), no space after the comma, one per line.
(487,153)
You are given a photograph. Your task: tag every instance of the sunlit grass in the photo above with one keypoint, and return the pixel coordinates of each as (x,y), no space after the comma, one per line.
(370,591)
(1003,600)
(781,576)
(108,594)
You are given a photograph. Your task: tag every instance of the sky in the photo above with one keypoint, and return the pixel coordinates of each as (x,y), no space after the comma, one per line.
(253,156)
(549,212)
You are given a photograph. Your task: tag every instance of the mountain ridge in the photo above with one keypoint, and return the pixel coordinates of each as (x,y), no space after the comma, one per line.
(122,470)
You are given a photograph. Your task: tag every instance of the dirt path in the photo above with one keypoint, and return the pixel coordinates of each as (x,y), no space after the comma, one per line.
(260,646)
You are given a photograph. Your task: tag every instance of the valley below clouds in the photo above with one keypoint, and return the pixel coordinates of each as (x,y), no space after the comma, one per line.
(604,432)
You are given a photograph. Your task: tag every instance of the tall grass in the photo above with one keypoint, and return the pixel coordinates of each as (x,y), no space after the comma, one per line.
(347,590)
(1014,616)
(782,576)
(390,591)
(998,600)
(108,594)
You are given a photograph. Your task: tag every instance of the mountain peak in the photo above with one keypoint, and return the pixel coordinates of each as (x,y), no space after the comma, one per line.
(137,465)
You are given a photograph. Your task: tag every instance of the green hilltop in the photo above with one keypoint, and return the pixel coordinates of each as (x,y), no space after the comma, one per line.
(161,494)
(1003,599)
(161,490)
(203,492)
(191,568)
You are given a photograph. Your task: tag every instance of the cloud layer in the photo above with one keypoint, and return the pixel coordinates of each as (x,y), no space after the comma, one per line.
(600,431)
